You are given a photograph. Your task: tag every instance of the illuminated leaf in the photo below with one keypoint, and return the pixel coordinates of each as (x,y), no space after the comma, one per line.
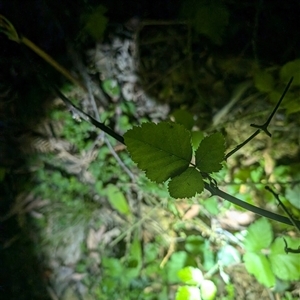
(194,244)
(208,290)
(111,88)
(258,265)
(190,275)
(259,235)
(162,150)
(176,262)
(285,266)
(188,293)
(187,184)
(211,153)
(117,199)
(293,193)
(197,137)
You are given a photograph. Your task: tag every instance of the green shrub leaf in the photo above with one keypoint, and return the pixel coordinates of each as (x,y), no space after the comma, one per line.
(95,22)
(190,275)
(187,184)
(285,266)
(111,88)
(117,199)
(197,137)
(184,118)
(208,290)
(162,150)
(211,153)
(194,244)
(188,293)
(263,81)
(209,18)
(291,69)
(258,265)
(176,262)
(259,235)
(293,193)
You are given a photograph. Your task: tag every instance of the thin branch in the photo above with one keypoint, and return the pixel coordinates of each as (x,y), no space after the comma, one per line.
(257,183)
(263,127)
(87,117)
(290,250)
(238,147)
(293,221)
(96,114)
(52,62)
(116,156)
(215,191)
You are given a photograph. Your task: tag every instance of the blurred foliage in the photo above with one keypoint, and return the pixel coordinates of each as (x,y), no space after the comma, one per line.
(275,263)
(95,22)
(207,17)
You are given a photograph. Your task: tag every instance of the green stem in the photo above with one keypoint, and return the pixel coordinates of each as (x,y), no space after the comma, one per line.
(293,221)
(263,127)
(257,210)
(87,117)
(238,147)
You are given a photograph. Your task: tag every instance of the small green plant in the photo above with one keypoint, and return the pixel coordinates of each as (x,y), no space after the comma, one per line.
(171,159)
(196,287)
(266,81)
(171,153)
(208,18)
(266,258)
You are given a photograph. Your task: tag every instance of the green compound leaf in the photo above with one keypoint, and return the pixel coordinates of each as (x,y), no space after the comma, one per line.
(259,235)
(211,153)
(190,275)
(258,265)
(162,150)
(188,293)
(285,266)
(187,184)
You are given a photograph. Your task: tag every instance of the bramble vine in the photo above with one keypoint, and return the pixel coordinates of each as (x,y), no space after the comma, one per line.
(182,164)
